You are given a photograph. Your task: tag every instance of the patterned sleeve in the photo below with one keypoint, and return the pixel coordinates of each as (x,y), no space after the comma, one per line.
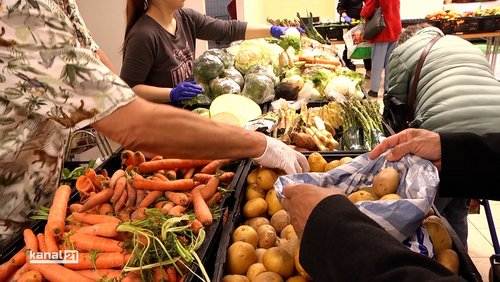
(70,8)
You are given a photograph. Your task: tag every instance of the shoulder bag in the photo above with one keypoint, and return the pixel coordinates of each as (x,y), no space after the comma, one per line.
(375,24)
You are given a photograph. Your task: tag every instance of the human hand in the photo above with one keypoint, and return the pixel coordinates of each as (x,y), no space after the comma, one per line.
(300,200)
(346,19)
(278,31)
(185,91)
(279,155)
(420,142)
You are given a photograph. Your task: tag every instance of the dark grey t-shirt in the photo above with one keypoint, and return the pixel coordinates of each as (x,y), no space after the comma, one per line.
(155,57)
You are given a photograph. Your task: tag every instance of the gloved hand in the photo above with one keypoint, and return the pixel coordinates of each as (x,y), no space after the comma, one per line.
(279,155)
(347,19)
(278,31)
(185,91)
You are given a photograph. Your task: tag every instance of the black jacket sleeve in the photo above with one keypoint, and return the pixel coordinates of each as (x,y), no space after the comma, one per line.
(340,243)
(470,165)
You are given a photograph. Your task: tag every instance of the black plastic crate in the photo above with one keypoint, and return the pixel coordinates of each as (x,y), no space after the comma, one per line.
(331,32)
(487,23)
(468,25)
(408,22)
(497,22)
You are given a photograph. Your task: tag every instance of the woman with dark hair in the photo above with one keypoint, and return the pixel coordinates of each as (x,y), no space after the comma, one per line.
(160,43)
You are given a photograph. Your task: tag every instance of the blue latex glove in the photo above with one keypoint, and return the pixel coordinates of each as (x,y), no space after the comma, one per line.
(278,31)
(347,19)
(185,91)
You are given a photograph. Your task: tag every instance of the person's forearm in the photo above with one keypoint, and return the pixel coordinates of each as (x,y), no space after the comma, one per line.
(257,31)
(347,237)
(153,93)
(178,133)
(105,60)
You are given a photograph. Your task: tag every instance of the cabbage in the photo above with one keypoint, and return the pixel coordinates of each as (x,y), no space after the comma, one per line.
(236,105)
(235,75)
(251,53)
(258,87)
(207,67)
(219,86)
(263,70)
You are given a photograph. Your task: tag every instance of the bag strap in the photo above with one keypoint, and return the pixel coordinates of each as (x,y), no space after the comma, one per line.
(416,77)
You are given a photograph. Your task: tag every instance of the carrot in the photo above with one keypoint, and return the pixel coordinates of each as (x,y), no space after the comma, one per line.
(201,210)
(75,207)
(161,177)
(226,176)
(174,185)
(58,273)
(42,246)
(189,173)
(57,213)
(30,240)
(157,157)
(114,178)
(72,227)
(127,157)
(50,240)
(120,185)
(31,276)
(94,218)
(131,195)
(171,273)
(105,208)
(100,229)
(138,214)
(84,242)
(11,266)
(121,202)
(20,272)
(177,198)
(101,260)
(177,211)
(130,168)
(139,158)
(214,165)
(172,173)
(98,199)
(152,166)
(159,204)
(196,225)
(149,199)
(209,189)
(101,274)
(167,207)
(159,274)
(132,277)
(214,199)
(84,185)
(124,215)
(92,175)
(203,177)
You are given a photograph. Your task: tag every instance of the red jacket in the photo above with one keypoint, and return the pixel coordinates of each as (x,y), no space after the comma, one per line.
(392,17)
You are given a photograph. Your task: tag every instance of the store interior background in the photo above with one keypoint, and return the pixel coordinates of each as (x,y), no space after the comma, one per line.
(107,23)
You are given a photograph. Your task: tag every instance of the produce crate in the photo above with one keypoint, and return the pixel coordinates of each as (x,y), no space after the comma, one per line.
(487,23)
(468,25)
(408,22)
(332,31)
(467,268)
(497,22)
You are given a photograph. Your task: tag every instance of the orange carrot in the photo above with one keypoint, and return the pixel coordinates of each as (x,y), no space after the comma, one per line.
(177,198)
(58,273)
(201,210)
(92,175)
(114,178)
(120,186)
(174,185)
(84,185)
(11,266)
(226,177)
(152,166)
(159,274)
(177,211)
(101,261)
(100,229)
(171,273)
(159,204)
(130,168)
(57,213)
(167,207)
(30,240)
(196,225)
(189,173)
(172,173)
(139,196)
(75,207)
(98,199)
(213,166)
(127,157)
(84,242)
(131,195)
(161,177)
(41,242)
(124,215)
(157,157)
(203,177)
(94,218)
(149,199)
(120,204)
(50,240)
(214,199)
(20,272)
(105,208)
(209,189)
(138,214)
(139,158)
(101,274)
(31,276)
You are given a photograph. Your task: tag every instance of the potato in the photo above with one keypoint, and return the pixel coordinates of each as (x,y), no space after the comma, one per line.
(267,236)
(254,270)
(304,140)
(345,160)
(235,278)
(448,258)
(268,276)
(252,176)
(360,196)
(256,222)
(240,256)
(296,278)
(280,220)
(386,182)
(260,253)
(391,197)
(370,190)
(439,235)
(316,162)
(331,165)
(288,245)
(266,178)
(253,191)
(298,267)
(273,204)
(279,261)
(288,232)
(247,234)
(254,207)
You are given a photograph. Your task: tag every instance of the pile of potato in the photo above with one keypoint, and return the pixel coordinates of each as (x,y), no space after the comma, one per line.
(265,247)
(317,162)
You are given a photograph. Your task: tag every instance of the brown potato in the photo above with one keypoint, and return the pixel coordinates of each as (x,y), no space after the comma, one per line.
(268,276)
(391,197)
(240,256)
(288,245)
(316,162)
(260,253)
(256,222)
(254,270)
(235,278)
(288,232)
(254,207)
(280,220)
(266,178)
(331,165)
(252,176)
(247,234)
(370,190)
(448,258)
(440,237)
(360,196)
(273,204)
(279,261)
(386,182)
(253,191)
(296,278)
(345,160)
(267,236)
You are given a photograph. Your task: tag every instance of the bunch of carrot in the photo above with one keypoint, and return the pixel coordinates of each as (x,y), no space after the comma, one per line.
(144,222)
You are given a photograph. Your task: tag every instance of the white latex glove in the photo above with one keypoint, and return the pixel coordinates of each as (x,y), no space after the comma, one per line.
(279,155)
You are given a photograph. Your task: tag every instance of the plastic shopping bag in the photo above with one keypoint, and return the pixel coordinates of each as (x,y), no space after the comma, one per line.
(356,47)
